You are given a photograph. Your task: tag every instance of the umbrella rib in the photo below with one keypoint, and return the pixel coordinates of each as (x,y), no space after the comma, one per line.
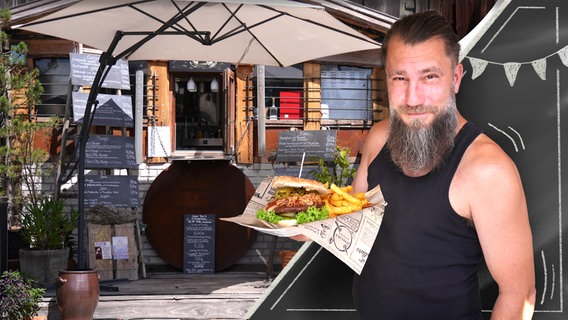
(237,30)
(230,33)
(360,37)
(33,23)
(150,35)
(195,34)
(199,36)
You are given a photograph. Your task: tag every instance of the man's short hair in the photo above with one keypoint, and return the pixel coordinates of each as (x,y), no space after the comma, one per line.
(419,27)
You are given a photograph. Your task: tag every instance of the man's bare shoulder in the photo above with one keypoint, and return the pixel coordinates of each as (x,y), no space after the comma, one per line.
(485,177)
(377,138)
(484,156)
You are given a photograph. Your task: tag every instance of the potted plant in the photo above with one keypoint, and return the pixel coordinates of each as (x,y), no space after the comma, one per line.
(339,172)
(19,299)
(47,229)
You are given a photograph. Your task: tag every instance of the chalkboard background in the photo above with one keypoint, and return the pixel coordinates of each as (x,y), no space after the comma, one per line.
(515,90)
(314,285)
(111,191)
(315,143)
(84,68)
(106,151)
(199,243)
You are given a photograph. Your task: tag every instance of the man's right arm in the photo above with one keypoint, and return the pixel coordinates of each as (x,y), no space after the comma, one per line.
(375,141)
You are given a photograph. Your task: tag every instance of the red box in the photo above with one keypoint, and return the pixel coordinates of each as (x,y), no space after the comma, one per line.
(291,106)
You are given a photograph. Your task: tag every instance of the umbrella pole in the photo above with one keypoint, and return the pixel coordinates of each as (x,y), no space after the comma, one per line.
(106,62)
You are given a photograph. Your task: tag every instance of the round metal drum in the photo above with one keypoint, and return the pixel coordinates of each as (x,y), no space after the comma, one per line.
(198,187)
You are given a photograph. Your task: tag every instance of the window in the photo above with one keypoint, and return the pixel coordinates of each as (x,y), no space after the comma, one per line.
(346,93)
(54,77)
(284,93)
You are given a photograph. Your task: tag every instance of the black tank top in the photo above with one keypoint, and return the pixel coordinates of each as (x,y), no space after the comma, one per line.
(423,264)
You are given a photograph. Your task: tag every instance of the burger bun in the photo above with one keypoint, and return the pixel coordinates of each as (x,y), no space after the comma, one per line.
(287,222)
(295,182)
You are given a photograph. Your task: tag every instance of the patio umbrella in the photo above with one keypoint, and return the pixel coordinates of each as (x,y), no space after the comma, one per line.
(263,32)
(267,32)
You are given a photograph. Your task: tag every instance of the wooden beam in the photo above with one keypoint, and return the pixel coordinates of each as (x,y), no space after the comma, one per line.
(380,96)
(312,104)
(164,106)
(243,115)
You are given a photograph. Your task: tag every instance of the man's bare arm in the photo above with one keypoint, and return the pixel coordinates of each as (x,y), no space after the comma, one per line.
(499,212)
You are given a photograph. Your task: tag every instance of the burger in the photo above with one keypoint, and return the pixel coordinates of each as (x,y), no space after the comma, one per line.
(295,201)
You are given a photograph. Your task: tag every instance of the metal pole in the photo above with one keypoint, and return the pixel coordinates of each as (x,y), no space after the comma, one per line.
(260,80)
(138,119)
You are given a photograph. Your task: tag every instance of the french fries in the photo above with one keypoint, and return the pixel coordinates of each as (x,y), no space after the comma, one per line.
(343,200)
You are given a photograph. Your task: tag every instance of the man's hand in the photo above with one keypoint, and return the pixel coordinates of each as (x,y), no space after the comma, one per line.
(300,237)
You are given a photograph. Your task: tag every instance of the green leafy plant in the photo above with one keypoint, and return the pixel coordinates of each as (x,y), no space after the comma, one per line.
(46,226)
(21,154)
(19,299)
(339,172)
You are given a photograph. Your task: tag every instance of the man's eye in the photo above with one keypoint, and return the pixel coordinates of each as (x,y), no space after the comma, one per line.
(431,76)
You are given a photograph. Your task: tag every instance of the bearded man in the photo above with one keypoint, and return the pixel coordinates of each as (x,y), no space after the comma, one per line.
(454,196)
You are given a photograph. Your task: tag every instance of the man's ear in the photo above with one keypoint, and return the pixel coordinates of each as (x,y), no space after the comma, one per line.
(458,74)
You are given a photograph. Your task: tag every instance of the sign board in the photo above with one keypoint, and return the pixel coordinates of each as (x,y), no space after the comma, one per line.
(106,151)
(111,191)
(199,243)
(84,68)
(314,285)
(307,145)
(294,171)
(159,141)
(112,110)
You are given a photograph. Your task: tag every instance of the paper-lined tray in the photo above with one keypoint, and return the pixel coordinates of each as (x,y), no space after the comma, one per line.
(263,226)
(349,237)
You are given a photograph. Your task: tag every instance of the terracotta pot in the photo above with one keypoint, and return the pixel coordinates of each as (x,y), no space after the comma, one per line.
(77,294)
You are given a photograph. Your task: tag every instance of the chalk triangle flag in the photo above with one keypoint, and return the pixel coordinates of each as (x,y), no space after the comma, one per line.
(478,66)
(540,67)
(563,54)
(511,69)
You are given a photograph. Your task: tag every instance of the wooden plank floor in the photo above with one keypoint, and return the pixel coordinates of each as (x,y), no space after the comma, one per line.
(224,295)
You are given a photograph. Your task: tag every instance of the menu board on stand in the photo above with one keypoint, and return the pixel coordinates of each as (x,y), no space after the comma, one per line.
(113,246)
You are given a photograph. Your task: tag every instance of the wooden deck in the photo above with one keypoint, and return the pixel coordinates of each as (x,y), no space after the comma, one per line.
(224,295)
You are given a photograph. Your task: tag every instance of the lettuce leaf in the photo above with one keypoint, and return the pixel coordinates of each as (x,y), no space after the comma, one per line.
(310,215)
(269,216)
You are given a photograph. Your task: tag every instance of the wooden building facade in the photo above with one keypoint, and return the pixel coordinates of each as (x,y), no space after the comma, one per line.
(203,110)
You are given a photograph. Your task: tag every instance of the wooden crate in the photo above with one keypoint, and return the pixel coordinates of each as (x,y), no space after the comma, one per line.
(111,268)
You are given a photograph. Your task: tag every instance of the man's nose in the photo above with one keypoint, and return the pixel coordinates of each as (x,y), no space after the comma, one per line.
(414,94)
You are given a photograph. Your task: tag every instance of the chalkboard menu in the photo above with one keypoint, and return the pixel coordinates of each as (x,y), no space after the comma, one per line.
(112,110)
(294,171)
(111,191)
(84,68)
(199,243)
(314,285)
(315,144)
(105,151)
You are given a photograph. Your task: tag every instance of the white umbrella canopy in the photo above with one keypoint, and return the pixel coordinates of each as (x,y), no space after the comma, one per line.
(267,32)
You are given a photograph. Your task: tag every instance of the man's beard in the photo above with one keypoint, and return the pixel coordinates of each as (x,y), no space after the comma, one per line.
(418,149)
